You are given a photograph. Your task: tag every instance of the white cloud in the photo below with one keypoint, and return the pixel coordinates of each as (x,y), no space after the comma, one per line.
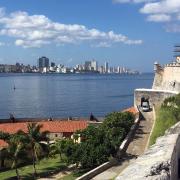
(162,6)
(159,18)
(132,1)
(158,10)
(28,44)
(38,30)
(102,45)
(162,10)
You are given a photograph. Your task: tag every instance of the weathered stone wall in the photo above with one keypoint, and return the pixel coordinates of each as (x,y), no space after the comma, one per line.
(160,161)
(158,78)
(168,79)
(156,97)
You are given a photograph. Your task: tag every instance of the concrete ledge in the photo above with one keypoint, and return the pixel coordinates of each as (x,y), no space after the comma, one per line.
(97,170)
(122,149)
(157,90)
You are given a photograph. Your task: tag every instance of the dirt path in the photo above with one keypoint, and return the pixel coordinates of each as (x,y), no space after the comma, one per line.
(136,148)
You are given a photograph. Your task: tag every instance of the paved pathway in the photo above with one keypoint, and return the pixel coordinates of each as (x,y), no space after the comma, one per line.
(59,175)
(136,148)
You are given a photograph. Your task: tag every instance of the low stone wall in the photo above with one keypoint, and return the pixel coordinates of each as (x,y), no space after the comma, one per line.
(122,149)
(156,97)
(155,163)
(160,161)
(97,170)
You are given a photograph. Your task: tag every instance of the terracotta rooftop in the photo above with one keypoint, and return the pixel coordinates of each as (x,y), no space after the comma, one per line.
(131,110)
(3,144)
(51,126)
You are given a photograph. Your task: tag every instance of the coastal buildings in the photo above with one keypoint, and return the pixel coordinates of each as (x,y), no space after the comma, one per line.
(106,67)
(45,66)
(87,65)
(94,65)
(17,68)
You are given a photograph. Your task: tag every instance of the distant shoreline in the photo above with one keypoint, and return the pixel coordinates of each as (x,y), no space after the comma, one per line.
(47,119)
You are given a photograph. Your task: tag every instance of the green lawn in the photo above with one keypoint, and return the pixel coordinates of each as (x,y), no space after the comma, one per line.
(69,177)
(44,167)
(164,120)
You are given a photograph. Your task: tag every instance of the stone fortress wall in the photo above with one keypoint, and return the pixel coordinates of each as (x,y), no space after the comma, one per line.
(168,77)
(160,161)
(166,83)
(156,97)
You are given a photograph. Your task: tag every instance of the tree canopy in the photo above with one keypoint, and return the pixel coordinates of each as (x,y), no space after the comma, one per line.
(102,142)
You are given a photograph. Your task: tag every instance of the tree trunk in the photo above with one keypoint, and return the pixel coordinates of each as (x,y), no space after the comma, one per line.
(17,173)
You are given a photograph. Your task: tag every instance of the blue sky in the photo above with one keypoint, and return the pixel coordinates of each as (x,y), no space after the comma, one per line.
(131,33)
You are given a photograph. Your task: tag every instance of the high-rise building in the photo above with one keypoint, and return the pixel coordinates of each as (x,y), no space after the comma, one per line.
(101,69)
(94,65)
(53,64)
(43,62)
(106,67)
(87,65)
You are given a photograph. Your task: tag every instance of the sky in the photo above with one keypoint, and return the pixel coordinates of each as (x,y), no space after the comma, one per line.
(130,33)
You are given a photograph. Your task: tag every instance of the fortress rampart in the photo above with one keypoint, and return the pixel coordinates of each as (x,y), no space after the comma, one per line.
(167,78)
(166,83)
(160,161)
(155,97)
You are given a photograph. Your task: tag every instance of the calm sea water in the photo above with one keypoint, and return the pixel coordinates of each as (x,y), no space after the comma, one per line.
(63,95)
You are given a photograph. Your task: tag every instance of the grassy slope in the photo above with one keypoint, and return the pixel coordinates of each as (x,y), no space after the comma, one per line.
(43,168)
(164,120)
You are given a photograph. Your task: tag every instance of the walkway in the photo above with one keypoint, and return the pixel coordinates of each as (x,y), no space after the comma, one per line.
(59,175)
(136,148)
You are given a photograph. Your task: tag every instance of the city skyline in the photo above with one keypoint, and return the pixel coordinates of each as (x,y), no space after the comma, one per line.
(126,33)
(45,65)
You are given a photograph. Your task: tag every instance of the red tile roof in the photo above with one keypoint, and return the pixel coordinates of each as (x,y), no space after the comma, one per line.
(131,110)
(3,144)
(51,126)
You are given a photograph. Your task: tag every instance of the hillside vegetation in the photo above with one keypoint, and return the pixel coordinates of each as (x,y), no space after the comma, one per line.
(166,116)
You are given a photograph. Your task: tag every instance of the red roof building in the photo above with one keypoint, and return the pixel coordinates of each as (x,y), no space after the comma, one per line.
(56,129)
(132,110)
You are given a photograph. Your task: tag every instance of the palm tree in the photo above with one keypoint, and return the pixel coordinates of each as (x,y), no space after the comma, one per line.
(35,138)
(57,148)
(15,149)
